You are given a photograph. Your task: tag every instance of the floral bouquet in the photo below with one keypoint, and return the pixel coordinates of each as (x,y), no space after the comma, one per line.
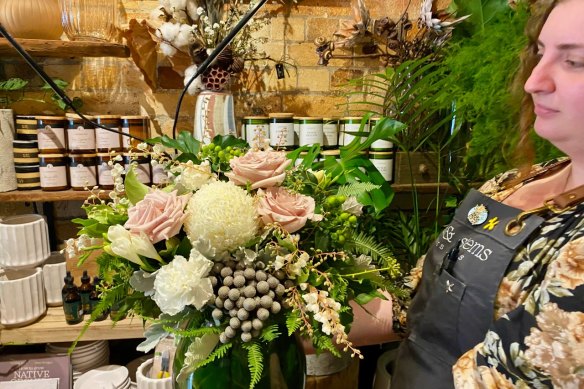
(193,28)
(241,251)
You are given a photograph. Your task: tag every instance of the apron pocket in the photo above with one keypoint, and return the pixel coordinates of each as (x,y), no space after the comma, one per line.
(439,321)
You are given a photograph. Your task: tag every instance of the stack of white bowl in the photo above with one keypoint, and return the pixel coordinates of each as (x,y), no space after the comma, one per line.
(24,245)
(86,355)
(105,377)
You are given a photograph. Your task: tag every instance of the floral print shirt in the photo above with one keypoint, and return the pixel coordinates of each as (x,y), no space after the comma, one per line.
(537,337)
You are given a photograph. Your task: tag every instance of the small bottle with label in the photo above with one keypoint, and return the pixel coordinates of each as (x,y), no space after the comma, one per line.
(68,280)
(95,298)
(85,291)
(72,305)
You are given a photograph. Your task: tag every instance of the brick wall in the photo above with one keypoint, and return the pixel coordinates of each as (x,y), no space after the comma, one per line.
(113,85)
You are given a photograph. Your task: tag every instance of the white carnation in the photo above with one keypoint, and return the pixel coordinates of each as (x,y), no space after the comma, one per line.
(193,177)
(182,283)
(222,213)
(352,206)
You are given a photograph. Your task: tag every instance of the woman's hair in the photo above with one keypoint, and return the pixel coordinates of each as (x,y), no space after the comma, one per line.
(540,11)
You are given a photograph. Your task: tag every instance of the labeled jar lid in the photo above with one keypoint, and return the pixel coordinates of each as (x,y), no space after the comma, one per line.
(255,117)
(309,119)
(281,115)
(52,155)
(74,116)
(56,118)
(332,153)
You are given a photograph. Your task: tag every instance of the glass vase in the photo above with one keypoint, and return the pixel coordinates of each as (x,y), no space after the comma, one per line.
(93,20)
(284,367)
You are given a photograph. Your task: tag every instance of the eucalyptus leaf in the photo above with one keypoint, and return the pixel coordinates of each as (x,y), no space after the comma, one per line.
(153,334)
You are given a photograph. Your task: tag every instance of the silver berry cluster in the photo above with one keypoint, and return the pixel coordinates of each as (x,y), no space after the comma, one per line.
(247,295)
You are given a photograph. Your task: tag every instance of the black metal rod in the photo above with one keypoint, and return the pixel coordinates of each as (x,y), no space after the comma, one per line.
(62,95)
(203,66)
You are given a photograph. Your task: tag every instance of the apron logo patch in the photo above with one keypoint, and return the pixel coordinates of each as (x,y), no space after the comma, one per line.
(478,214)
(492,223)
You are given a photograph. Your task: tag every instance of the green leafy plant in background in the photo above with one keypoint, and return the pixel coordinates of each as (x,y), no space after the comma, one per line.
(416,94)
(481,62)
(13,85)
(10,85)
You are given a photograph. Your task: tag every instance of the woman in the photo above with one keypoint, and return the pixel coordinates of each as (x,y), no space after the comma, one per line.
(501,300)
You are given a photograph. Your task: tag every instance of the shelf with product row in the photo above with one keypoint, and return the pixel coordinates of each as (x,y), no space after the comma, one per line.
(53,328)
(72,195)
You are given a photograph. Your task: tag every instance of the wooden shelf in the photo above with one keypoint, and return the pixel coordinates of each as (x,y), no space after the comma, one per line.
(53,328)
(70,195)
(65,49)
(39,195)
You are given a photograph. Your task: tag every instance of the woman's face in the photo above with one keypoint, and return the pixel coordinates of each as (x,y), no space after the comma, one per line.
(557,82)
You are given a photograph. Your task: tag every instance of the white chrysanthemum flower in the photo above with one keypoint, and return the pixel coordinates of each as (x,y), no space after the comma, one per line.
(222,213)
(182,283)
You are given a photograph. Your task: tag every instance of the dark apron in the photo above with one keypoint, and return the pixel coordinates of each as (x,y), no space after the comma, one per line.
(454,304)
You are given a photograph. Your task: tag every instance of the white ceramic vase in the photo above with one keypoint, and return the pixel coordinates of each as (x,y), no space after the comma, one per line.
(214,115)
(24,241)
(22,296)
(54,271)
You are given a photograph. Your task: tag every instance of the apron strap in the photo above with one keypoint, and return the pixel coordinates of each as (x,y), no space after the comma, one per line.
(569,198)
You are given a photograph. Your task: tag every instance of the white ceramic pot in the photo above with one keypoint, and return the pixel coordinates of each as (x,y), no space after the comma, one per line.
(24,241)
(384,369)
(22,296)
(143,380)
(54,271)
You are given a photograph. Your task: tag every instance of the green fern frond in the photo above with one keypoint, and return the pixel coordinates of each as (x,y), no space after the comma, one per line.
(218,353)
(293,322)
(194,332)
(324,342)
(357,188)
(270,333)
(366,244)
(255,360)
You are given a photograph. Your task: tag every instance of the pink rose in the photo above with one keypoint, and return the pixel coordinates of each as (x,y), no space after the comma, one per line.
(277,205)
(263,169)
(159,215)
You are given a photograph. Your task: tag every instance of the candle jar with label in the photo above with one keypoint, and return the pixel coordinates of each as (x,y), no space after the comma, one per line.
(83,171)
(51,134)
(80,135)
(53,172)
